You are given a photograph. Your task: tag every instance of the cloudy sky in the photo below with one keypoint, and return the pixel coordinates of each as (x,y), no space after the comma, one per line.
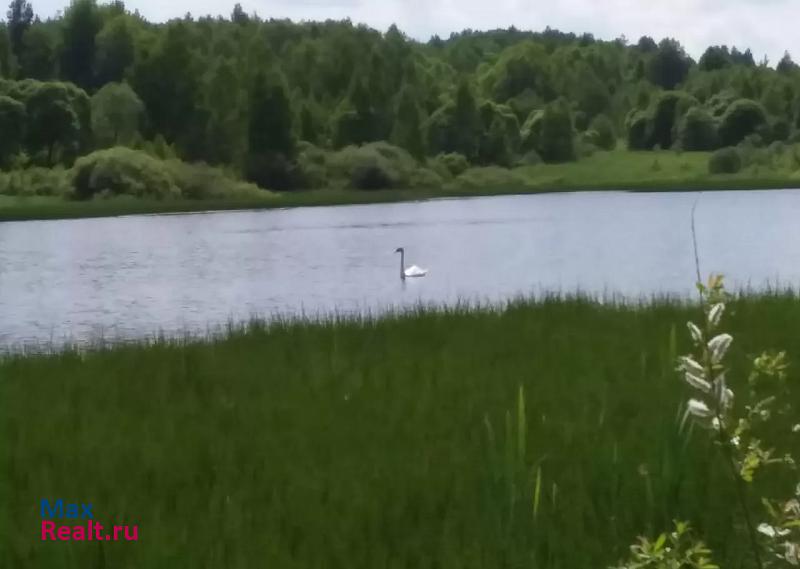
(766,26)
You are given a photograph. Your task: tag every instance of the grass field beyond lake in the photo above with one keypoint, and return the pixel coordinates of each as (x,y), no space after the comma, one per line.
(544,436)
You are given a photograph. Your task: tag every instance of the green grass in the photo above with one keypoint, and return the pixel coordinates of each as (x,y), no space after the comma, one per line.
(617,170)
(391,443)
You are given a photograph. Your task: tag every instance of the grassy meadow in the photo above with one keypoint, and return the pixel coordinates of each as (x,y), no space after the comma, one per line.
(542,435)
(615,170)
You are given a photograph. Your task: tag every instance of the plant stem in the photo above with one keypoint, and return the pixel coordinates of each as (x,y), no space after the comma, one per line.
(740,492)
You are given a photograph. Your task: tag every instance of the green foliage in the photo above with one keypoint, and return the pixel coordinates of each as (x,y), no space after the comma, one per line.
(54,122)
(167,79)
(521,68)
(80,25)
(381,423)
(373,166)
(550,133)
(665,116)
(456,126)
(351,85)
(676,550)
(408,124)
(39,56)
(116,50)
(117,114)
(604,137)
(697,131)
(271,142)
(12,127)
(501,138)
(725,161)
(715,58)
(36,181)
(637,125)
(669,65)
(744,117)
(20,18)
(122,171)
(453,163)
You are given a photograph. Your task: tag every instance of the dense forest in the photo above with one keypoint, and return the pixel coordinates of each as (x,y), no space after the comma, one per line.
(292,105)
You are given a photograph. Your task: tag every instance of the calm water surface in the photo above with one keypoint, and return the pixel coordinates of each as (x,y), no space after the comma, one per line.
(129,277)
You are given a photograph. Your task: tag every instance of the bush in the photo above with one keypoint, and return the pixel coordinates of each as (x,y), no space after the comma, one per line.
(725,161)
(271,170)
(201,181)
(603,135)
(121,170)
(744,117)
(370,167)
(780,130)
(666,114)
(586,145)
(311,166)
(36,181)
(697,131)
(581,121)
(454,163)
(637,125)
(426,178)
(530,158)
(550,133)
(371,175)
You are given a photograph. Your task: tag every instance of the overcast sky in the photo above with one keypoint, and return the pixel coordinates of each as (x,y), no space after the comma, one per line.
(766,26)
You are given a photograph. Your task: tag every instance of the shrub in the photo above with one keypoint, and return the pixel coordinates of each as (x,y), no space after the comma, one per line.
(742,118)
(122,171)
(666,114)
(371,175)
(637,125)
(371,166)
(426,178)
(311,166)
(271,170)
(604,136)
(530,158)
(36,181)
(550,133)
(725,161)
(780,130)
(697,131)
(581,121)
(201,181)
(454,163)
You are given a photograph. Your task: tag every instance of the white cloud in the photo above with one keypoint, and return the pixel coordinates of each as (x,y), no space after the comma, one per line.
(763,25)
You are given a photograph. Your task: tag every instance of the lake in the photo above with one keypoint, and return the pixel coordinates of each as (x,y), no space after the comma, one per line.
(129,277)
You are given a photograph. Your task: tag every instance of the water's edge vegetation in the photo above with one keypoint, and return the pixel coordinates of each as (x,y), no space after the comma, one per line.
(212,190)
(543,433)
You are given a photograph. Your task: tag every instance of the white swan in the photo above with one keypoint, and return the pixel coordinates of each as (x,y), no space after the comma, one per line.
(412,271)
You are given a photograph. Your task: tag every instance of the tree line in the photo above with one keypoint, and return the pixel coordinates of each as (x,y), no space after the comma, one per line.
(252,94)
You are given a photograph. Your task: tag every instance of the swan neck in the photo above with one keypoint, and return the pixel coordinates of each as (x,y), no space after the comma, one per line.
(402,264)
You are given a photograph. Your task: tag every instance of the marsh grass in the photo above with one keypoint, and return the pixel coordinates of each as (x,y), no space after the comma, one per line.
(539,434)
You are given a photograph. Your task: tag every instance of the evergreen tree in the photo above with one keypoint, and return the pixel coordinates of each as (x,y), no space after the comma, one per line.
(20,18)
(81,24)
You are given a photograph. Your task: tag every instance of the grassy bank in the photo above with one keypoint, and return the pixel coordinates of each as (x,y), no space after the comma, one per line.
(618,170)
(395,443)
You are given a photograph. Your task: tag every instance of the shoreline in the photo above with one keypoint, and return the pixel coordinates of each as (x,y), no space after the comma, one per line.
(37,208)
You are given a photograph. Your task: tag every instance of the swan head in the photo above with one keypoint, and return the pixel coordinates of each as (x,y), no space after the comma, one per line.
(399,250)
